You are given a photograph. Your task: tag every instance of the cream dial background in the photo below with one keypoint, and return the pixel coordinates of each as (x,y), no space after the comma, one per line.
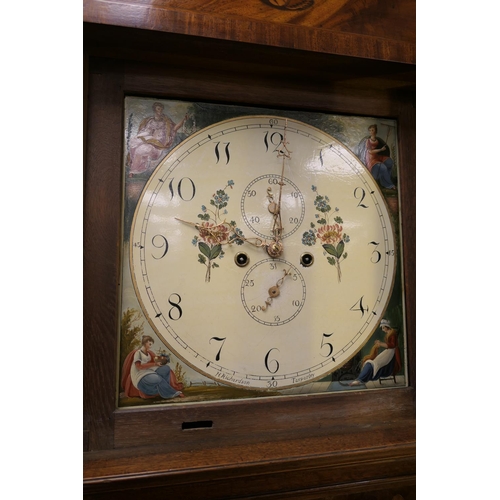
(205,323)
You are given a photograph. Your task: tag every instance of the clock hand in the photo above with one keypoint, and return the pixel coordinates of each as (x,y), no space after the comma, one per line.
(219,233)
(274,291)
(275,249)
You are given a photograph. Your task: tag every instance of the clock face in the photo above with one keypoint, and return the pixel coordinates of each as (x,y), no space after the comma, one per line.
(203,274)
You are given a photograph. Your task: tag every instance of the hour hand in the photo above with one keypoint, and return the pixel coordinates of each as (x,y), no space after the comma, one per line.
(223,233)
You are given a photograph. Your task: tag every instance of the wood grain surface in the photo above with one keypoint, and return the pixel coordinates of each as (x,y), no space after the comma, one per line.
(360,28)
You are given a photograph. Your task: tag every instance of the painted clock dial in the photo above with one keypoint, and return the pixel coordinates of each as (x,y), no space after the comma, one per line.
(206,282)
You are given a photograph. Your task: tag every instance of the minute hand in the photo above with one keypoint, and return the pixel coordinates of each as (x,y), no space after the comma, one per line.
(276,248)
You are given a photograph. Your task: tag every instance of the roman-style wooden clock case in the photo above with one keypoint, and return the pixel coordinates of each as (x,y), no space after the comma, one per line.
(270,54)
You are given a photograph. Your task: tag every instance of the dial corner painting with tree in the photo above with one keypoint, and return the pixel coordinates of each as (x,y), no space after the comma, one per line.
(261,254)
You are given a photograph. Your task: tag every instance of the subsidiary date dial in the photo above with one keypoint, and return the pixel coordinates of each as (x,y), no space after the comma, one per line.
(273,292)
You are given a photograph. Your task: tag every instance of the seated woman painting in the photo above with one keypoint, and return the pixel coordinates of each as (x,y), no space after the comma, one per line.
(376,156)
(146,375)
(385,364)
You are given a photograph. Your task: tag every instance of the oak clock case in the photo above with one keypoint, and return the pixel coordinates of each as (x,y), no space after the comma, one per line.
(262,254)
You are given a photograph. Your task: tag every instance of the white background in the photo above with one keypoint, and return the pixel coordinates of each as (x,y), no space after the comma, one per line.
(457,246)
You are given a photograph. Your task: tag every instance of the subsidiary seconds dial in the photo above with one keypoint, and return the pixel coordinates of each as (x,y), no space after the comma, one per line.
(255,203)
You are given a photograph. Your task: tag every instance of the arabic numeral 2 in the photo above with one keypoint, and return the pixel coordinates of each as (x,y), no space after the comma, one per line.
(359,194)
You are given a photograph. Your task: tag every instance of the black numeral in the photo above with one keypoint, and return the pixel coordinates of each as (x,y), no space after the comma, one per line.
(182,192)
(328,345)
(226,151)
(175,312)
(359,194)
(359,306)
(274,362)
(221,340)
(274,140)
(376,255)
(159,241)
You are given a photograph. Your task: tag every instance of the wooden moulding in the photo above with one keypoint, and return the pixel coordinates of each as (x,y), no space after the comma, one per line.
(308,447)
(344,27)
(263,471)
